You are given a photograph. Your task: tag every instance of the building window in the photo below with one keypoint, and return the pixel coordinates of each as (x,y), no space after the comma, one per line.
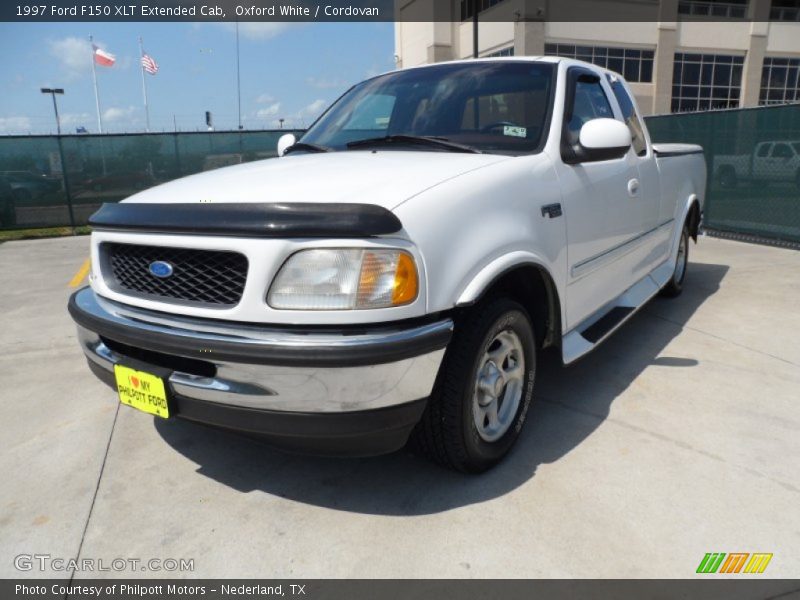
(727,9)
(470,7)
(706,81)
(633,64)
(780,80)
(503,52)
(785,10)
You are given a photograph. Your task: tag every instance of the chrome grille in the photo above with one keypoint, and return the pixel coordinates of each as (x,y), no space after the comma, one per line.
(198,276)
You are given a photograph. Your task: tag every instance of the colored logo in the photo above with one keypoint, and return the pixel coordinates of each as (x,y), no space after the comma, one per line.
(160,268)
(735,562)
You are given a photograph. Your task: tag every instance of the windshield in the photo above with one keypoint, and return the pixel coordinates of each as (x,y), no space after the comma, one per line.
(496,107)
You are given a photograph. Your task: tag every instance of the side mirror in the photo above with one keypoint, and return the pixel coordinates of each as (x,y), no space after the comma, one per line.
(284,142)
(602,139)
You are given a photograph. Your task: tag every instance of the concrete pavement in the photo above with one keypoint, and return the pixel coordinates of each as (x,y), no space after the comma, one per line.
(679,436)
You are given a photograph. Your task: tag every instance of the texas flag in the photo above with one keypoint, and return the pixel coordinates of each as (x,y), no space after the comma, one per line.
(103,58)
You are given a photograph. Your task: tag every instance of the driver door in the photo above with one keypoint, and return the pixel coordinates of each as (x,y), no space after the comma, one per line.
(603,205)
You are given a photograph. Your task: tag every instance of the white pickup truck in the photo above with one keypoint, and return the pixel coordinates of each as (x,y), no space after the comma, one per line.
(396,272)
(768,162)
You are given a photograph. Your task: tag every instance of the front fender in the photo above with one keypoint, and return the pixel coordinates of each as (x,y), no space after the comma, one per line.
(473,289)
(475,226)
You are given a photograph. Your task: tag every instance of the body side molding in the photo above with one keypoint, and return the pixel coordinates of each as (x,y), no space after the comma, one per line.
(592,263)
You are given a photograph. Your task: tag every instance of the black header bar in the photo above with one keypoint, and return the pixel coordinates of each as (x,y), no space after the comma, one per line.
(312,219)
(139,11)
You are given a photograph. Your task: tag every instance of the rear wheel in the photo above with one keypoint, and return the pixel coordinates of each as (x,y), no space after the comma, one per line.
(23,195)
(483,390)
(727,177)
(675,285)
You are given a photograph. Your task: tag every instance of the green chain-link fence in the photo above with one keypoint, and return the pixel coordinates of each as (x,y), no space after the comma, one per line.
(34,191)
(753,159)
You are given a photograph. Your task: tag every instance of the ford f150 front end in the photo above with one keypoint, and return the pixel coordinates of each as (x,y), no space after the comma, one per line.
(333,389)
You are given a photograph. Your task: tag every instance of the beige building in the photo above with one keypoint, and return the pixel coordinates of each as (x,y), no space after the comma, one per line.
(680,55)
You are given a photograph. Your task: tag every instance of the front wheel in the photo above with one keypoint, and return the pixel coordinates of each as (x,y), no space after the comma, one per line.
(674,286)
(8,214)
(483,391)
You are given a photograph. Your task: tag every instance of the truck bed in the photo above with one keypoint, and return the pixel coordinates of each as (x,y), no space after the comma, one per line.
(665,150)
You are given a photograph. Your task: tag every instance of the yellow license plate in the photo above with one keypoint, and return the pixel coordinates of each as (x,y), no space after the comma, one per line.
(141,390)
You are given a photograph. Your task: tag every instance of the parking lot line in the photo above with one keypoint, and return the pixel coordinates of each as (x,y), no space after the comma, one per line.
(81,274)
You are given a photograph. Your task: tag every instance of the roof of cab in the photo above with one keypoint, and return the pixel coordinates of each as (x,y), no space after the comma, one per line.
(544,59)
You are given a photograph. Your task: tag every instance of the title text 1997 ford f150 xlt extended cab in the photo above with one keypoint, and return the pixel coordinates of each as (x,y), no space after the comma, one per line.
(395,273)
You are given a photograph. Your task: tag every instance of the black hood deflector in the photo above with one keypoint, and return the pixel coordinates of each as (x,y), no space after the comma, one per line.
(267,220)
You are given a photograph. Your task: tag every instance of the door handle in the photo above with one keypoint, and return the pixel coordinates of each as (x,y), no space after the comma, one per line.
(633,188)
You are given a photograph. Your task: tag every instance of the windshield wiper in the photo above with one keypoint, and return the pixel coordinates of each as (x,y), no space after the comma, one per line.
(306,147)
(438,142)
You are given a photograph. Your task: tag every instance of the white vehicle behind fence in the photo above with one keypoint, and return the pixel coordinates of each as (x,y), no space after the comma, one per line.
(769,162)
(395,274)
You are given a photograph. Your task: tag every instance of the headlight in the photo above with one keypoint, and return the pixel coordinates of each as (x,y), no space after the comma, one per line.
(340,279)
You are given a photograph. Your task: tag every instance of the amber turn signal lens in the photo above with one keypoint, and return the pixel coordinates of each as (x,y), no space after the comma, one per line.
(405,280)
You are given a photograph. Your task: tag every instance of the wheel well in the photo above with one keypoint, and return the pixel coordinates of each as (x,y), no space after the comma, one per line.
(693,219)
(533,288)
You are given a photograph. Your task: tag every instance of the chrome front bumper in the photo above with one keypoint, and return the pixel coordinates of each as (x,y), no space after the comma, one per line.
(256,367)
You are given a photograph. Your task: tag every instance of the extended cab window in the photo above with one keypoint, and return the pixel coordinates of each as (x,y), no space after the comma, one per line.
(590,102)
(764,150)
(632,119)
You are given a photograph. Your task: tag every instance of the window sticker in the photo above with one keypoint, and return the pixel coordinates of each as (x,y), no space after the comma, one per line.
(515,131)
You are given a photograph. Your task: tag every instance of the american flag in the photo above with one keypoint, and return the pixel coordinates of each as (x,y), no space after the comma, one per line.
(149,64)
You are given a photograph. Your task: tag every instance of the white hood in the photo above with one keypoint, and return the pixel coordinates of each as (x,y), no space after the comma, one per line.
(385,177)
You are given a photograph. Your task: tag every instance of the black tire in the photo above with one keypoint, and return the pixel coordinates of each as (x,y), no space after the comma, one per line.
(22,195)
(8,212)
(675,285)
(447,432)
(727,177)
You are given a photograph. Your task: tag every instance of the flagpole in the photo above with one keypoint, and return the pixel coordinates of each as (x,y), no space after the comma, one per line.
(144,86)
(238,77)
(96,91)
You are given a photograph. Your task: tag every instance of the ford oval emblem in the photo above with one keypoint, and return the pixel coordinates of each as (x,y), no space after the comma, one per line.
(160,268)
